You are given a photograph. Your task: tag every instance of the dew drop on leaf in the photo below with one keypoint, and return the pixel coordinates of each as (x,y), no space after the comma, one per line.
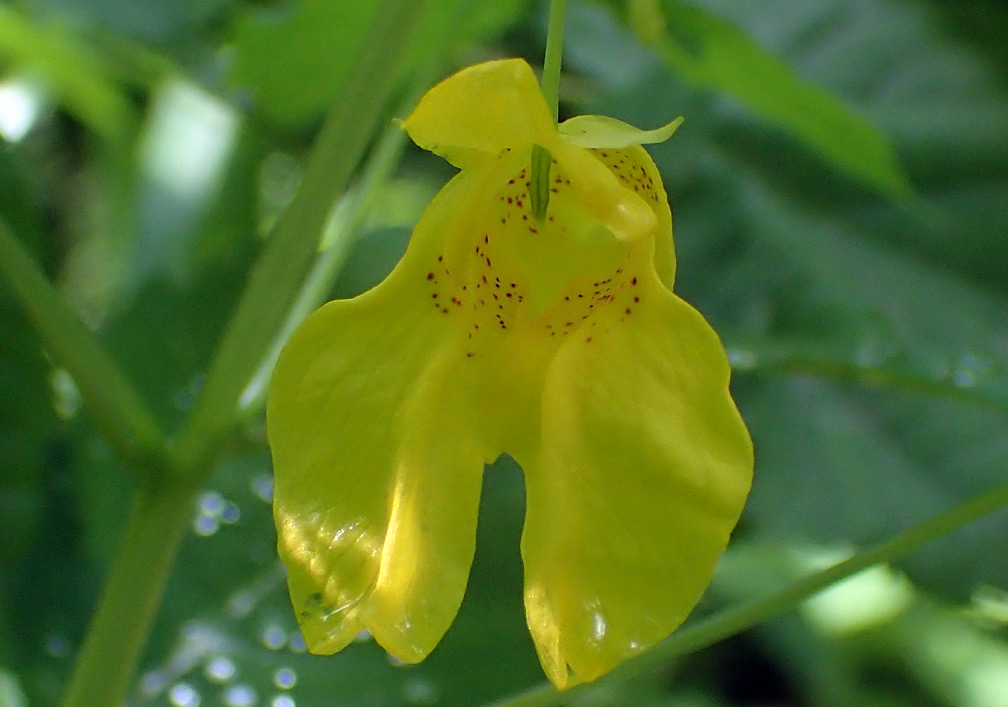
(273,637)
(297,642)
(220,669)
(153,682)
(182,694)
(240,696)
(420,691)
(284,678)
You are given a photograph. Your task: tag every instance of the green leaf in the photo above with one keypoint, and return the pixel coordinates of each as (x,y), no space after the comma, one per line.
(26,422)
(107,394)
(275,283)
(897,408)
(944,107)
(867,337)
(716,54)
(296,57)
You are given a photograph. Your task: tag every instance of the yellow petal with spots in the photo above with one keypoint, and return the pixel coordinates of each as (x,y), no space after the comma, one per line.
(555,339)
(378,454)
(642,473)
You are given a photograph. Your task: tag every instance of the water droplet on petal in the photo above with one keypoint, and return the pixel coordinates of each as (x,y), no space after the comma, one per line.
(598,626)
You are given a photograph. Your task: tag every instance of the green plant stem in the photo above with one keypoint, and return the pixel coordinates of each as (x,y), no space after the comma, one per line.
(107,395)
(119,628)
(554,53)
(539,192)
(292,248)
(730,622)
(983,390)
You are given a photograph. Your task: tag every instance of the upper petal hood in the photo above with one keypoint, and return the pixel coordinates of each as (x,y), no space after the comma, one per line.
(481,111)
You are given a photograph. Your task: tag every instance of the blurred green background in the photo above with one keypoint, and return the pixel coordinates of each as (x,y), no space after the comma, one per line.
(840,190)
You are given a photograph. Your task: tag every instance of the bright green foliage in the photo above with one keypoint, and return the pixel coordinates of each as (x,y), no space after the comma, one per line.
(558,342)
(712,52)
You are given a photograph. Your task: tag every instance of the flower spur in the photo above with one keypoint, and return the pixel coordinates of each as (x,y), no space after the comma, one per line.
(556,340)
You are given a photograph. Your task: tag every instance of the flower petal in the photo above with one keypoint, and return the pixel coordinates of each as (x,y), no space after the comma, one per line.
(643,470)
(481,111)
(621,210)
(378,452)
(623,196)
(601,131)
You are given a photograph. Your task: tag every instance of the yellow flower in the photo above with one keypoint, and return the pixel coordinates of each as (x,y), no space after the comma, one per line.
(557,341)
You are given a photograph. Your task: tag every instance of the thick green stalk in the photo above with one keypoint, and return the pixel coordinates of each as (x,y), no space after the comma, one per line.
(293,247)
(354,207)
(707,632)
(119,629)
(554,53)
(108,397)
(541,159)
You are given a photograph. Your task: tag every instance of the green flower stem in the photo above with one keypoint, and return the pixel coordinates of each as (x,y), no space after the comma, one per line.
(293,246)
(119,629)
(541,159)
(554,53)
(981,388)
(730,622)
(107,395)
